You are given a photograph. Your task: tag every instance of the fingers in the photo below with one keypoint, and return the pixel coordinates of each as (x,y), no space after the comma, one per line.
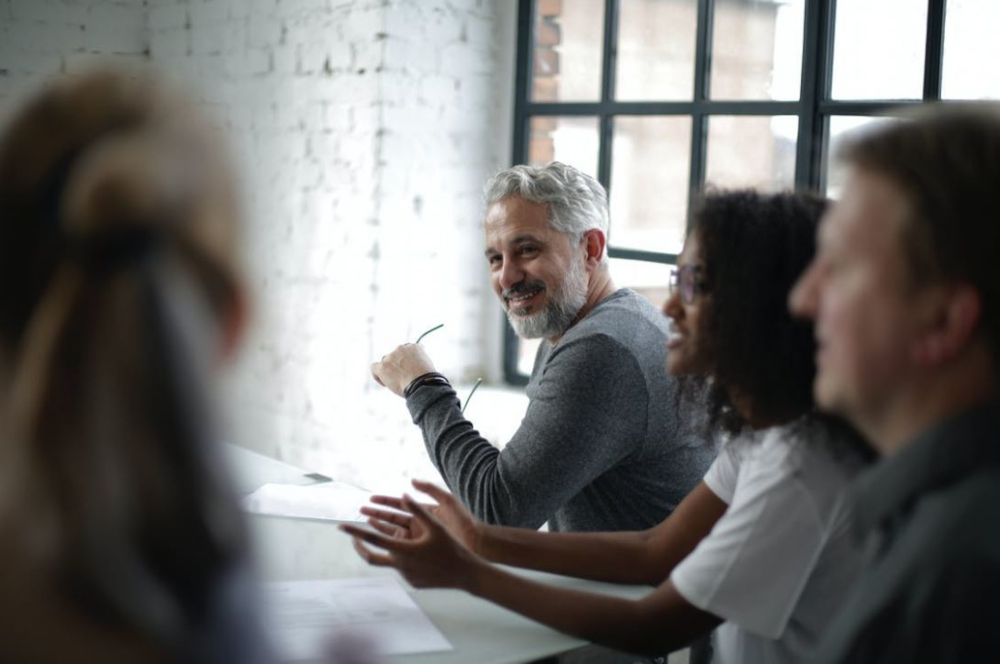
(374,369)
(395,518)
(387,529)
(392,516)
(371,557)
(421,512)
(434,491)
(389,501)
(375,539)
(396,504)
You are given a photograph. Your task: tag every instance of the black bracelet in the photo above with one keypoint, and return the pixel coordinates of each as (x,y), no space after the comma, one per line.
(431,378)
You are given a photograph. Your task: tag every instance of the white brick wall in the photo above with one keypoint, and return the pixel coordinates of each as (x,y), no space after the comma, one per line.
(364,131)
(40,39)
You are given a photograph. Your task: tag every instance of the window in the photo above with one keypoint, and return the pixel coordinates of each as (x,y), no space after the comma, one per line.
(659,98)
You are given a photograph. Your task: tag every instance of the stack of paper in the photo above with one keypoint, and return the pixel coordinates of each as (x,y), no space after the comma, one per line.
(306,618)
(329,501)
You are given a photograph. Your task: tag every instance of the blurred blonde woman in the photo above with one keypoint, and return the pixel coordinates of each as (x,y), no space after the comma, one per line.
(120,539)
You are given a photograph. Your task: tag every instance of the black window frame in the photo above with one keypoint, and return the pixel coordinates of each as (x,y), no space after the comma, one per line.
(814,108)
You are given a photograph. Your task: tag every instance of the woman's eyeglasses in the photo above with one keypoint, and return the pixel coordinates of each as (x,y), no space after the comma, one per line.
(687,280)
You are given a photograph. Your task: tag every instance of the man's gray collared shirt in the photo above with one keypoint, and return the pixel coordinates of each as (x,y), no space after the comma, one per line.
(933,592)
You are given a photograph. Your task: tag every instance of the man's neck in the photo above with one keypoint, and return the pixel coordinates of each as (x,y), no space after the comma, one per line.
(933,399)
(600,287)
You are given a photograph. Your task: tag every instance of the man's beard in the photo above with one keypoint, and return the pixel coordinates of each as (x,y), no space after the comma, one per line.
(560,309)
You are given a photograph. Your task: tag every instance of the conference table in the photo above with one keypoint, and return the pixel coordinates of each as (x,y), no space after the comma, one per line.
(291,549)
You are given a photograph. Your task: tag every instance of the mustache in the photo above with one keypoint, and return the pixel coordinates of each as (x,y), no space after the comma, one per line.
(522,288)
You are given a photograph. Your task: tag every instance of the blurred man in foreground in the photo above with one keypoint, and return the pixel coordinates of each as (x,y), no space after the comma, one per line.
(905,293)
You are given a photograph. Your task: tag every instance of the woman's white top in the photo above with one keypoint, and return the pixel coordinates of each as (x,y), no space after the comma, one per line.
(777,564)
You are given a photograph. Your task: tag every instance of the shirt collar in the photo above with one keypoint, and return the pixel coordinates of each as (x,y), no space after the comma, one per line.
(946,452)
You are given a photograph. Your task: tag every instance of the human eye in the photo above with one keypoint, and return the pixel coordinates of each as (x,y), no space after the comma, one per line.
(832,265)
(494,260)
(832,258)
(528,250)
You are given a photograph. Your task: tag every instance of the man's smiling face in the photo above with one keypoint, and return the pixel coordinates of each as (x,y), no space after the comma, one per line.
(538,273)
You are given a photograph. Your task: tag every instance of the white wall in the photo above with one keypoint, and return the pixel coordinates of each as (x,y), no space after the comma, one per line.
(364,131)
(40,39)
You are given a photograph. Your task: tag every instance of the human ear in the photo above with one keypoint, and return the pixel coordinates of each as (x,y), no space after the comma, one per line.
(594,242)
(953,318)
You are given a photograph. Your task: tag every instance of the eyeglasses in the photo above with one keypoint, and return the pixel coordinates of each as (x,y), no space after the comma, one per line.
(478,380)
(687,280)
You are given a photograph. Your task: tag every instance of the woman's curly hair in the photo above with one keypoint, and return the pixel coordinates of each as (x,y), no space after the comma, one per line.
(754,246)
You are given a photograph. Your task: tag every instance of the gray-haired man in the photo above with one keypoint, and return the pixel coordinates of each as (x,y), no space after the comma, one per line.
(599,447)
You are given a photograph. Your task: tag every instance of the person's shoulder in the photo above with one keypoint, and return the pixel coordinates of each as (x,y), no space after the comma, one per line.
(625,316)
(774,446)
(966,561)
(965,514)
(626,300)
(949,537)
(801,449)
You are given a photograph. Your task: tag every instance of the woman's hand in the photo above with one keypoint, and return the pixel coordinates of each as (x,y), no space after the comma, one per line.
(428,557)
(448,512)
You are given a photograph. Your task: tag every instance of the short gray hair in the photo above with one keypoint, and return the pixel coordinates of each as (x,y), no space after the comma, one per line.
(577,202)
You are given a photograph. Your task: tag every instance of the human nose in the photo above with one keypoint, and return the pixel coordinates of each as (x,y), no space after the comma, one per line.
(510,274)
(672,307)
(802,301)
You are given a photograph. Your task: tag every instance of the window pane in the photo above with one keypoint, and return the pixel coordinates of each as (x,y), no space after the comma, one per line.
(656,49)
(971,50)
(526,349)
(752,151)
(879,49)
(757,49)
(647,279)
(566,63)
(571,140)
(650,178)
(841,126)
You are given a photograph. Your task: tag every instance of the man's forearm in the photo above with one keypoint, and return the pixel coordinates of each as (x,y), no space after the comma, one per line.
(466,460)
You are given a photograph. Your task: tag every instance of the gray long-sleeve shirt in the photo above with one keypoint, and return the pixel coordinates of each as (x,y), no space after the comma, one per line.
(599,448)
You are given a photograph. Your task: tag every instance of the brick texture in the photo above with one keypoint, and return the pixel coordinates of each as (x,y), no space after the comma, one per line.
(363,132)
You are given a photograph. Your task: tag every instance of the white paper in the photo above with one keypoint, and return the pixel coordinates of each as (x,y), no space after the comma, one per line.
(304,616)
(251,470)
(329,501)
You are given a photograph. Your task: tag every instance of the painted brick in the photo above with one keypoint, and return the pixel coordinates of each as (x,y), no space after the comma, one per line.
(25,66)
(549,7)
(250,62)
(285,59)
(49,11)
(262,7)
(75,63)
(167,17)
(208,12)
(101,37)
(263,31)
(363,131)
(48,38)
(169,45)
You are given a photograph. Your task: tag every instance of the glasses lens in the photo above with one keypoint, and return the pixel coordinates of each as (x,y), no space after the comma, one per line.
(688,281)
(688,288)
